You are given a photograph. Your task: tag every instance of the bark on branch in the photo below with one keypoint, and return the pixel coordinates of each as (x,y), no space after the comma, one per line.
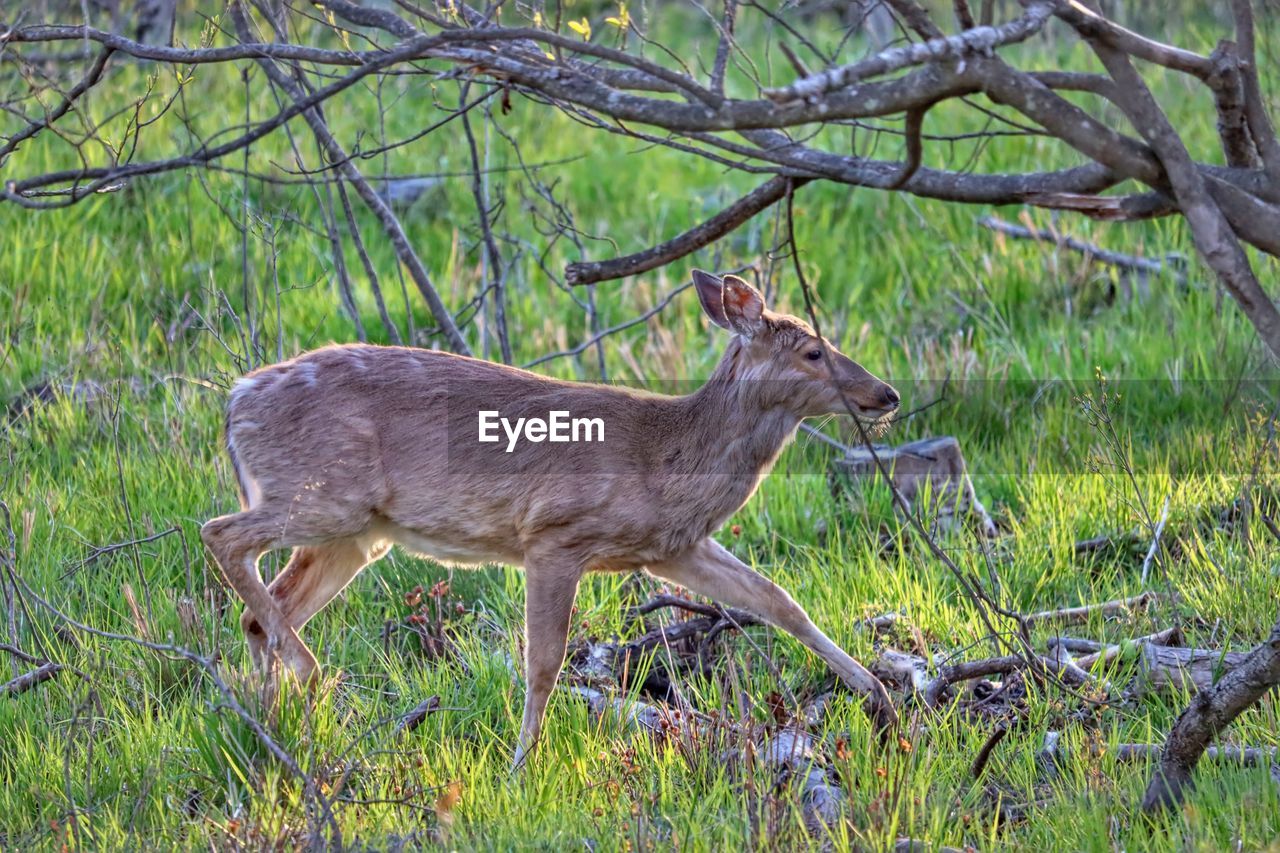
(1210,712)
(724,222)
(980,40)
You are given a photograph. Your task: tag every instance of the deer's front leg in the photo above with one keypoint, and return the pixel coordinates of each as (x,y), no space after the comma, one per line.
(710,570)
(550,588)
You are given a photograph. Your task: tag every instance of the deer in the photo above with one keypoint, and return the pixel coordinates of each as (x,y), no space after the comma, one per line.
(347,450)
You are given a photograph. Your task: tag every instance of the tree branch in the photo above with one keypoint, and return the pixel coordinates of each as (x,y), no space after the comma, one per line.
(376,204)
(724,222)
(1260,127)
(1211,233)
(1209,713)
(981,40)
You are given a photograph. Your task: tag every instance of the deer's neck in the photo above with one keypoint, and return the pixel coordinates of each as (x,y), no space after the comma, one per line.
(737,428)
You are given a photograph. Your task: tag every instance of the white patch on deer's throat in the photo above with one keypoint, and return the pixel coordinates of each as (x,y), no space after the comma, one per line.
(753,372)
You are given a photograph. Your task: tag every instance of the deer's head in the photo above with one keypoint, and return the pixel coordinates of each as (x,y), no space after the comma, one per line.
(787,363)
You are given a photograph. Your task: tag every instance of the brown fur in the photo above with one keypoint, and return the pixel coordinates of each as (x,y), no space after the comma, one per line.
(342,451)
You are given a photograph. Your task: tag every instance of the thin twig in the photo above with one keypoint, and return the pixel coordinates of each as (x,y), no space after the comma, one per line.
(984,754)
(1155,541)
(587,344)
(1173,265)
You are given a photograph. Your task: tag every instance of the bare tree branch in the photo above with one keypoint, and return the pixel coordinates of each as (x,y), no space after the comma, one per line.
(91,77)
(1092,25)
(376,204)
(1260,127)
(724,222)
(976,41)
(1212,234)
(1210,712)
(1228,97)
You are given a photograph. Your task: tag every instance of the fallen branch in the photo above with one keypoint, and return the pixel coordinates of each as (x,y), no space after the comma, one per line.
(1133,263)
(1244,756)
(1106,654)
(418,714)
(967,671)
(1051,757)
(28,680)
(984,754)
(1100,543)
(19,653)
(910,673)
(1074,645)
(1074,615)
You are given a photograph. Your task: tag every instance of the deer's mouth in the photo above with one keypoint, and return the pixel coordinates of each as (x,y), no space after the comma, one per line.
(875,421)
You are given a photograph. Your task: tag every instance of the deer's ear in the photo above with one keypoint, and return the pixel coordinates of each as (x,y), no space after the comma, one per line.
(743,306)
(710,294)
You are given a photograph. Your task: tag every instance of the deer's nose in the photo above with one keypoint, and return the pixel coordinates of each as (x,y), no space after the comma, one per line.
(890,396)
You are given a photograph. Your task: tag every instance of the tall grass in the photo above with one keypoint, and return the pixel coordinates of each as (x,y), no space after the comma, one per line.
(133,303)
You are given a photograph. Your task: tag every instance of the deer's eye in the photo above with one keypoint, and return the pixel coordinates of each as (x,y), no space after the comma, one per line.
(813,354)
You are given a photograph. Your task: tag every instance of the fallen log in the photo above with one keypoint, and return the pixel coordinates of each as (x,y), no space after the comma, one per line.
(1168,637)
(1163,669)
(932,468)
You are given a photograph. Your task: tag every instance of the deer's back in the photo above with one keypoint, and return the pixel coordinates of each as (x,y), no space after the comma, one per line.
(393,433)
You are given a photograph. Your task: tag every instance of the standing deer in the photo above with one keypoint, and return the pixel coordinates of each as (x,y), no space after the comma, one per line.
(344,451)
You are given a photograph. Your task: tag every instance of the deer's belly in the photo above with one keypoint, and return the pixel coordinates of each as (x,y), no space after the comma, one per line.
(463,550)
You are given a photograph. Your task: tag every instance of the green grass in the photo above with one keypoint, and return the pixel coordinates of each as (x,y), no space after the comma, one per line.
(143,752)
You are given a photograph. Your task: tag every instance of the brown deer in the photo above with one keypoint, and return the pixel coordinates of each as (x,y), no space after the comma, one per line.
(344,451)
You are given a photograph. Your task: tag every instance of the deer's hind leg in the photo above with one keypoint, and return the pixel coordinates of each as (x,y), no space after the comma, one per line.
(313,577)
(237,541)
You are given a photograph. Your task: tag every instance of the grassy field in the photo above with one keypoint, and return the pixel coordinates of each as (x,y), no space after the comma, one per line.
(133,304)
